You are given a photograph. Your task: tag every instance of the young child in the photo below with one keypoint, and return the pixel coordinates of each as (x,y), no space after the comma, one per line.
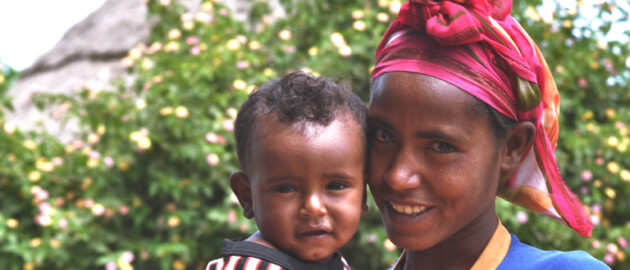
(301,146)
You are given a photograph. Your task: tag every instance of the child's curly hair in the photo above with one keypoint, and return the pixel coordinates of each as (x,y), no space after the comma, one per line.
(296,99)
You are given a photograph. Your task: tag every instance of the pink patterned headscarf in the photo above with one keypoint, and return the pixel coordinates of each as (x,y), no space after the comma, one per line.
(477,46)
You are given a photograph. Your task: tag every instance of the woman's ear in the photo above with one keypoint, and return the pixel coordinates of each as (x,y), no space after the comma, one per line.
(518,140)
(242,189)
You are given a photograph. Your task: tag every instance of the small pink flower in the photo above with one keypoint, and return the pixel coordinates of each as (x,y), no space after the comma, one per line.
(212,159)
(587,175)
(192,40)
(596,244)
(242,64)
(583,82)
(584,190)
(45,208)
(63,223)
(195,50)
(231,218)
(228,125)
(609,259)
(223,12)
(41,195)
(521,217)
(594,220)
(109,161)
(599,161)
(596,208)
(372,238)
(144,255)
(127,256)
(123,210)
(88,203)
(111,266)
(623,243)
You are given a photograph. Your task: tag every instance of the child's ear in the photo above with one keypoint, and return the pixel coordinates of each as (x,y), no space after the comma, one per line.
(364,206)
(517,141)
(242,189)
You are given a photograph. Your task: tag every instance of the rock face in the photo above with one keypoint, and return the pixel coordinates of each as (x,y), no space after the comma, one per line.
(89,53)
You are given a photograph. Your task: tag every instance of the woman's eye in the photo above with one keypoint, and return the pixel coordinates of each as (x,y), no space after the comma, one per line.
(336,186)
(442,147)
(382,135)
(284,188)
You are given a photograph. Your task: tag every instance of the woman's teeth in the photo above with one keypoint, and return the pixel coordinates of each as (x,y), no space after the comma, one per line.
(408,209)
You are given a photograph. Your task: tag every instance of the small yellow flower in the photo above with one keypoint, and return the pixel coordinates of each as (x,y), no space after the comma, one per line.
(359,25)
(587,115)
(30,144)
(100,130)
(171,46)
(46,166)
(141,104)
(93,138)
(135,136)
(92,163)
(147,64)
(382,17)
(613,167)
(284,34)
(29,266)
(389,245)
(173,221)
(12,223)
(597,183)
(394,7)
(610,112)
(181,112)
(239,84)
(602,44)
(174,34)
(357,14)
(254,45)
(567,24)
(123,165)
(144,143)
(313,51)
(531,13)
(233,45)
(613,141)
(166,110)
(337,39)
(54,243)
(625,175)
(1,79)
(232,112)
(135,54)
(34,176)
(610,193)
(622,147)
(179,265)
(35,242)
(207,6)
(98,209)
(268,72)
(345,51)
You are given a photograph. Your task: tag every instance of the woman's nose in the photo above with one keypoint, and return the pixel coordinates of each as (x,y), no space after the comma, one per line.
(403,172)
(313,206)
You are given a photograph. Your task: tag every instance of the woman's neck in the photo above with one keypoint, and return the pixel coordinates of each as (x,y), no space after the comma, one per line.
(460,251)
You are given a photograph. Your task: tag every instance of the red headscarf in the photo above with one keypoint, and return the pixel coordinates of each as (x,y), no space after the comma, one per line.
(477,46)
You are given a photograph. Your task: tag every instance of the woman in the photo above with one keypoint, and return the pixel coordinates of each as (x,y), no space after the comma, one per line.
(463,108)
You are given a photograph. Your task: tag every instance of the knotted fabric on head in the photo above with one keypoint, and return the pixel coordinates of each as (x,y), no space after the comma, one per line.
(477,46)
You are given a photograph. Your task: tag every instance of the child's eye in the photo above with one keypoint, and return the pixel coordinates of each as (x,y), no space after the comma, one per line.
(284,188)
(382,135)
(442,147)
(336,186)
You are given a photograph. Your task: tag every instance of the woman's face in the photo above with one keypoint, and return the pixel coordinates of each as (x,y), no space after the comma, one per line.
(433,167)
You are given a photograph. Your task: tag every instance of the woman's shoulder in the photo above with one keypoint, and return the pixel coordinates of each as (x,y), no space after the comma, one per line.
(523,256)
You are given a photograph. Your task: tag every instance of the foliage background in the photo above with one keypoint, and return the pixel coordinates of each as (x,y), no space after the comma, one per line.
(145,186)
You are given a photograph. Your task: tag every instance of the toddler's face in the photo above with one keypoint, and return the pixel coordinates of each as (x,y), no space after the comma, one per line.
(307,187)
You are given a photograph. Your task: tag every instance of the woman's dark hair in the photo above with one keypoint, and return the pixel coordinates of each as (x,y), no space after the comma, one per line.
(296,99)
(499,123)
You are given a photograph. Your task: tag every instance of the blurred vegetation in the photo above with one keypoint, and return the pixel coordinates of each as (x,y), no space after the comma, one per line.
(145,183)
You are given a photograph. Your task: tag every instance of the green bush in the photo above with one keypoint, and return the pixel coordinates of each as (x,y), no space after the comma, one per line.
(145,185)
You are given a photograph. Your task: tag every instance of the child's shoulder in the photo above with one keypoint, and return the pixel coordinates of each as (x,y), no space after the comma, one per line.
(523,256)
(239,255)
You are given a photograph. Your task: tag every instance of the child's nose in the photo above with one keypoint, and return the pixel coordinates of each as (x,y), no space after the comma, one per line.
(313,206)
